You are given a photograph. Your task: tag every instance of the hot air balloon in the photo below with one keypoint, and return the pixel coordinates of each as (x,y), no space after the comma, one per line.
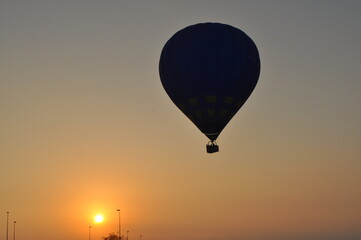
(209,70)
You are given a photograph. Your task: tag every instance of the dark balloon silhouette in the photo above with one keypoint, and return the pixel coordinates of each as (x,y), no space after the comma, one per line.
(209,70)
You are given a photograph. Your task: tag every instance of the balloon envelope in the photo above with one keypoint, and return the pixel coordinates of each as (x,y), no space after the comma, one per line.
(209,70)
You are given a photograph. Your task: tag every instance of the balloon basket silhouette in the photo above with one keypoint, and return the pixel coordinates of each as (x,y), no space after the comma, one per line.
(212,147)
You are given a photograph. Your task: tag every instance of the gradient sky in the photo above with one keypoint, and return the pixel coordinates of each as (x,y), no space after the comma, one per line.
(87,128)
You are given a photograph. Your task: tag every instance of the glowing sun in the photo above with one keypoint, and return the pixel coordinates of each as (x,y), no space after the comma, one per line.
(98,218)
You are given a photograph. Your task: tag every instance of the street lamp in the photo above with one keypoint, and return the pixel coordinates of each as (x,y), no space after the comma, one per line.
(89,231)
(140,237)
(14,231)
(127,235)
(7,225)
(120,233)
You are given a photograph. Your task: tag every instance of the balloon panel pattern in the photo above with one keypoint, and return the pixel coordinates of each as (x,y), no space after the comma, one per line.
(209,70)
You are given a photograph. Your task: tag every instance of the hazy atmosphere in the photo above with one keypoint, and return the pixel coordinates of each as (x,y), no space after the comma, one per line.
(86,127)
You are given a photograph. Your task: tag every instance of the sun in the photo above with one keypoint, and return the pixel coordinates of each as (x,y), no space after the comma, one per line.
(98,218)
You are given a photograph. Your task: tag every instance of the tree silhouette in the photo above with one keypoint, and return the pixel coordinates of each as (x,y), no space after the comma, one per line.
(111,236)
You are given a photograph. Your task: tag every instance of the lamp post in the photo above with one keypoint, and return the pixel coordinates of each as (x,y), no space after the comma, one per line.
(128,235)
(89,231)
(140,237)
(14,230)
(119,230)
(7,225)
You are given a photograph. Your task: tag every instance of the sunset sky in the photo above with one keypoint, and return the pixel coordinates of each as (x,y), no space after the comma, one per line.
(86,127)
